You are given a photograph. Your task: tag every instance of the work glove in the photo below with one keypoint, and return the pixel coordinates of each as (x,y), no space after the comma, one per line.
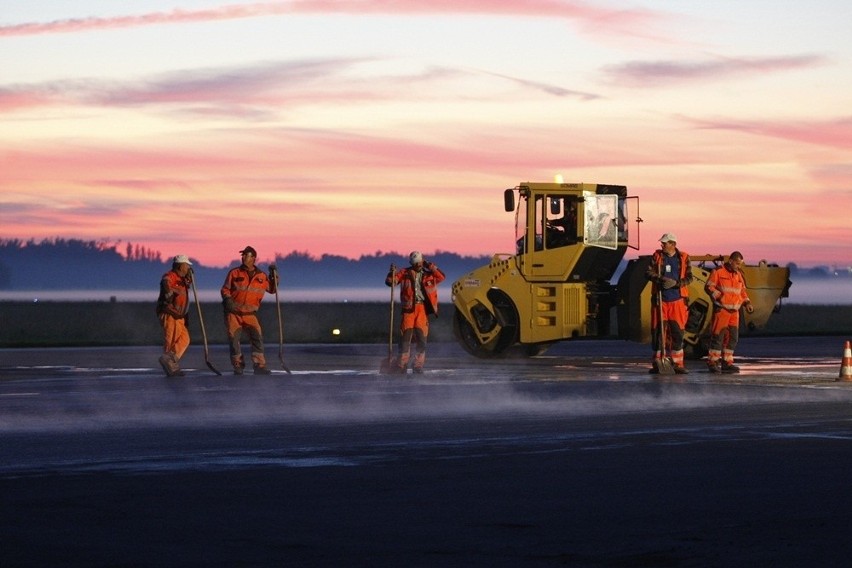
(430,266)
(229,305)
(669,283)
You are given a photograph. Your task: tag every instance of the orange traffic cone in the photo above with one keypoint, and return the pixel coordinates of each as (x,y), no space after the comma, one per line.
(846,364)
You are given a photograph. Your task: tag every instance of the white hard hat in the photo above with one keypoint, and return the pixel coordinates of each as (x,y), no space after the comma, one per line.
(668,237)
(416,257)
(182,259)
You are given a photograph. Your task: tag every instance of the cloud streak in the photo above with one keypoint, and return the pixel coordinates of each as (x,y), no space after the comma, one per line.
(238,88)
(665,73)
(582,12)
(548,88)
(252,92)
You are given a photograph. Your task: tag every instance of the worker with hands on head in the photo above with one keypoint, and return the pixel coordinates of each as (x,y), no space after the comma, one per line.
(727,288)
(172,309)
(242,293)
(670,276)
(418,295)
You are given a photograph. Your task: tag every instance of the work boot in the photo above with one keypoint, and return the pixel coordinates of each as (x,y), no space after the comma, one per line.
(165,363)
(681,370)
(239,365)
(170,365)
(419,361)
(729,368)
(418,370)
(262,370)
(714,368)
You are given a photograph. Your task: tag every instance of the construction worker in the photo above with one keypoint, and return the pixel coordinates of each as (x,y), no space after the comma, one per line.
(727,288)
(418,295)
(242,293)
(670,275)
(172,308)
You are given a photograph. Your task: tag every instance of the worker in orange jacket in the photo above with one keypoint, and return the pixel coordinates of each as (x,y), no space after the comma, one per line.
(242,293)
(172,309)
(670,276)
(727,288)
(418,294)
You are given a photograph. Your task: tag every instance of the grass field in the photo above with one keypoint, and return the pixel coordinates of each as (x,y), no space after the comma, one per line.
(33,324)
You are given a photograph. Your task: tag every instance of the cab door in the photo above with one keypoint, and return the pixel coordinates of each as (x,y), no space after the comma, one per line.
(551,240)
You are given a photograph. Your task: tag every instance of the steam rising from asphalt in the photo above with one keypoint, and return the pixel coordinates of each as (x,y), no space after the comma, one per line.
(112,417)
(124,399)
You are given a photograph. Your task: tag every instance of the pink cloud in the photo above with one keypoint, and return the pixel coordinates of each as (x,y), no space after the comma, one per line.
(19,97)
(601,19)
(836,133)
(834,175)
(664,73)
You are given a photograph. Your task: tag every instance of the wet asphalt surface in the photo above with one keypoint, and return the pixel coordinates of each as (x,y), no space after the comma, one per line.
(575,458)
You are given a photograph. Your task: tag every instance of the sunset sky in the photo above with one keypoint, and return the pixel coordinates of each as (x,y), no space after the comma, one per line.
(352,127)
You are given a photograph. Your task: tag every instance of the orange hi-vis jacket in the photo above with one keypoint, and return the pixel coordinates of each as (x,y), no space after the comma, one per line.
(655,271)
(174,295)
(727,288)
(245,289)
(431,277)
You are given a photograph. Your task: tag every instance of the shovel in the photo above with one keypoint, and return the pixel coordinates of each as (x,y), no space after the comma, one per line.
(272,272)
(387,363)
(664,363)
(201,324)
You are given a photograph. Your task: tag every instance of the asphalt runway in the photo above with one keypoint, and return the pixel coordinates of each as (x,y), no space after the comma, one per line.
(575,458)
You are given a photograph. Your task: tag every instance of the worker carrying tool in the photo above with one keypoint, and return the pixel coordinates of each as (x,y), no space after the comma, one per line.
(418,295)
(670,276)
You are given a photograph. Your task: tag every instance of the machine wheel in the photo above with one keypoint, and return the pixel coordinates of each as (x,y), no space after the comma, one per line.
(502,344)
(467,338)
(508,316)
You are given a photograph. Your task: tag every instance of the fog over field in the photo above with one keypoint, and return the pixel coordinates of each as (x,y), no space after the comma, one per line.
(816,291)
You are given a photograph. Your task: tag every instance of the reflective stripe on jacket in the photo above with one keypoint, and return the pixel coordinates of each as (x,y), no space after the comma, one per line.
(726,288)
(174,295)
(431,277)
(245,289)
(655,270)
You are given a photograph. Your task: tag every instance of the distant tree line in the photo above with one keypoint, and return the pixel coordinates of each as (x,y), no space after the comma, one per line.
(74,264)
